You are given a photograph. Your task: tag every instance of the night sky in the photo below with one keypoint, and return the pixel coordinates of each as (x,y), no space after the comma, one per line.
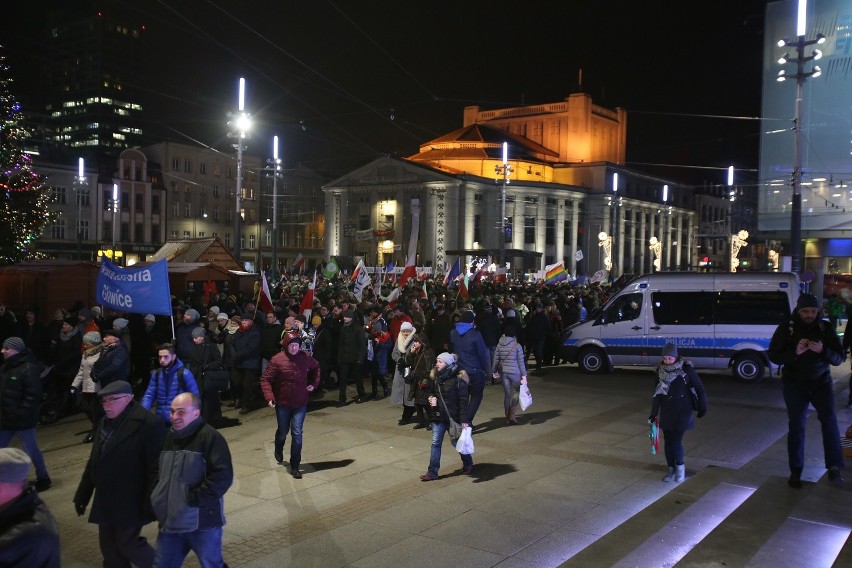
(344,82)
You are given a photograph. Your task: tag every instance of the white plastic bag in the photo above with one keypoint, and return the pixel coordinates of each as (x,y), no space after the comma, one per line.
(464,445)
(525,397)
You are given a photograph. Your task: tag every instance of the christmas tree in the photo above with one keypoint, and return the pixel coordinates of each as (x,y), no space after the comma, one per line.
(24,195)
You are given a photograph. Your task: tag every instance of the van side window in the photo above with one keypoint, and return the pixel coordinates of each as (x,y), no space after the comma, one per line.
(683,308)
(752,308)
(624,308)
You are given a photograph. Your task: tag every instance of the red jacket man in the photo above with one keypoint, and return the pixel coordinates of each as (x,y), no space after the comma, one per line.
(288,379)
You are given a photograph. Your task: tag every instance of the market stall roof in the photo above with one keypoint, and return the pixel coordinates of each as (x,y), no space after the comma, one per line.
(203,250)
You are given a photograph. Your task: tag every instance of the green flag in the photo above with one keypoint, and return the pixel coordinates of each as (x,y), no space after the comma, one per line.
(330,269)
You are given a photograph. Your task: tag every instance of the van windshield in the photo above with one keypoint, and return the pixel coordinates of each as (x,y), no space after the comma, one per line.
(623,308)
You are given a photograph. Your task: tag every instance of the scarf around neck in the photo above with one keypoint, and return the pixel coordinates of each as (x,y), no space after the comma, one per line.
(668,373)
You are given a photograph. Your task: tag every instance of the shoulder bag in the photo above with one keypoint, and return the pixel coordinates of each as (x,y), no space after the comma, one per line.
(455,428)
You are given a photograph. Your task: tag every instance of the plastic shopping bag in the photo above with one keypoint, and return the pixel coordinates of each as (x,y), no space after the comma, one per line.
(525,397)
(465,442)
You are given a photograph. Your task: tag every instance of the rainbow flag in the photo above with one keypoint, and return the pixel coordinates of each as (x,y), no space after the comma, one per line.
(554,273)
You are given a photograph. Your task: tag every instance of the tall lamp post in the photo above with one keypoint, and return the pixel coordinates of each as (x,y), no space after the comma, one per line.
(613,221)
(274,169)
(242,124)
(81,188)
(800,43)
(505,171)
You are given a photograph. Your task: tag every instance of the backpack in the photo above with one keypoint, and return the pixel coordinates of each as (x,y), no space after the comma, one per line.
(181,381)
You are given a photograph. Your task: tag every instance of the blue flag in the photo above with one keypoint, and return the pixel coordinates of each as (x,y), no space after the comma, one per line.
(138,290)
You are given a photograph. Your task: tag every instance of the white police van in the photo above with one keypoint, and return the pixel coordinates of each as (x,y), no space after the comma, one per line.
(716,320)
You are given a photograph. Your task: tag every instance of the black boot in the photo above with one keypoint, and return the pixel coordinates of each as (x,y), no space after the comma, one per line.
(279,451)
(407,413)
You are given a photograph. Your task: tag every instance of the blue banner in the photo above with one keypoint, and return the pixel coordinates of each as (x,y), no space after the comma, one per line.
(138,290)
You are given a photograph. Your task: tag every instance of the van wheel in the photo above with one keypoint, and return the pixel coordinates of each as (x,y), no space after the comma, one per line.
(749,368)
(592,361)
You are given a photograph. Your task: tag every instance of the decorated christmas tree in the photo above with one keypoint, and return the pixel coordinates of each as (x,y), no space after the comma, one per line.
(24,195)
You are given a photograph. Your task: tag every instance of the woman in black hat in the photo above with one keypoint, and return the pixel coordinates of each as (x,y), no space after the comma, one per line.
(678,393)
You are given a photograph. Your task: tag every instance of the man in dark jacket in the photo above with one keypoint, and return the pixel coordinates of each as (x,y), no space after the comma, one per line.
(351,351)
(183,334)
(245,358)
(35,334)
(270,339)
(121,472)
(114,362)
(489,325)
(195,473)
(807,348)
(536,331)
(29,535)
(439,329)
(20,396)
(473,357)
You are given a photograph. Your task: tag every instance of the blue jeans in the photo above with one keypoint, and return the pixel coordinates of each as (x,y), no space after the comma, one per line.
(172,548)
(797,400)
(28,441)
(475,391)
(291,420)
(438,429)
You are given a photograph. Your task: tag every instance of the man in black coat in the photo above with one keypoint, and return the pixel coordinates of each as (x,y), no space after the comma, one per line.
(20,397)
(351,352)
(808,348)
(121,472)
(114,362)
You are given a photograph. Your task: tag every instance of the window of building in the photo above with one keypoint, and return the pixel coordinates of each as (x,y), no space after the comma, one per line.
(155,204)
(550,231)
(187,166)
(529,230)
(215,190)
(186,188)
(57,230)
(215,213)
(84,229)
(217,170)
(174,185)
(175,209)
(140,200)
(187,235)
(566,232)
(251,242)
(363,222)
(202,168)
(59,195)
(200,234)
(125,201)
(84,197)
(125,232)
(174,234)
(227,240)
(175,164)
(187,210)
(509,229)
(267,238)
(228,216)
(107,236)
(242,240)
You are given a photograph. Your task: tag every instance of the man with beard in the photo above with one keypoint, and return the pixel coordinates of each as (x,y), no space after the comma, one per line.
(807,348)
(286,382)
(351,350)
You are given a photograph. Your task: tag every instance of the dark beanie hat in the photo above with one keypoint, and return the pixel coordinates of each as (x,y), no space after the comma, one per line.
(467,316)
(670,350)
(198,332)
(807,301)
(349,314)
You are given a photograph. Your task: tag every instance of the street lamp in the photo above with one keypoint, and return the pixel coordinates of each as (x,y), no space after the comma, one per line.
(242,125)
(81,189)
(274,167)
(505,171)
(614,203)
(800,43)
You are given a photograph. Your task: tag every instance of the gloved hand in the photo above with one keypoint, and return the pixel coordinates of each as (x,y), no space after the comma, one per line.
(73,391)
(80,508)
(651,419)
(701,413)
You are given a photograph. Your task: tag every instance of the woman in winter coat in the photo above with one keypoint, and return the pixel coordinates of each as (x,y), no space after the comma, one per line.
(66,362)
(673,401)
(420,360)
(509,359)
(401,389)
(85,386)
(447,397)
(205,355)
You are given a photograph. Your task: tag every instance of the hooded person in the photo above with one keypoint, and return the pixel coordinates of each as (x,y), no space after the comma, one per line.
(401,385)
(286,383)
(474,357)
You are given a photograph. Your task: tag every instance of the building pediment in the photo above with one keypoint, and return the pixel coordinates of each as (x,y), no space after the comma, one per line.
(388,171)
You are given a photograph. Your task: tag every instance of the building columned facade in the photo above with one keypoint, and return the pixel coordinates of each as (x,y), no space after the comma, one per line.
(567,198)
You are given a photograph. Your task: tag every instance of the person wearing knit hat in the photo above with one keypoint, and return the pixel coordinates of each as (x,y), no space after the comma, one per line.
(183,334)
(807,347)
(679,392)
(119,323)
(20,376)
(30,534)
(199,332)
(446,398)
(222,316)
(84,386)
(214,310)
(351,352)
(191,315)
(474,357)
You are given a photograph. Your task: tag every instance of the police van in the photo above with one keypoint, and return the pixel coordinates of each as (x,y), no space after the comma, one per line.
(716,320)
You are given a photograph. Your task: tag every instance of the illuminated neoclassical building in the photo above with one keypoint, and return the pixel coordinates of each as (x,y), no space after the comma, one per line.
(564,159)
